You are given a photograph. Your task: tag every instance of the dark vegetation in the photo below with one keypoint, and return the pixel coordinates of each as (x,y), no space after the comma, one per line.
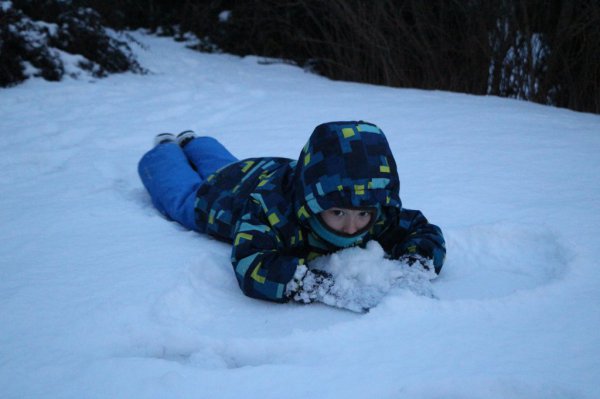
(34,33)
(542,51)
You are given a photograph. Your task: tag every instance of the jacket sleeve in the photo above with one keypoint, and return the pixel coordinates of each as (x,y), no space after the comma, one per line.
(411,233)
(261,266)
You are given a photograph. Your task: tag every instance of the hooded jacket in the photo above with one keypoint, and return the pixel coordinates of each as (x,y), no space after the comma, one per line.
(268,207)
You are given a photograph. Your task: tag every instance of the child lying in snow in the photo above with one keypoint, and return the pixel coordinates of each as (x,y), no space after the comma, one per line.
(281,213)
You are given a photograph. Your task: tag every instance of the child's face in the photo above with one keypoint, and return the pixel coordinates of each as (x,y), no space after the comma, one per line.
(347,221)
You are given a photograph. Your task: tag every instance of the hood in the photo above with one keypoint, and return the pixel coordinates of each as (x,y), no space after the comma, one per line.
(345,164)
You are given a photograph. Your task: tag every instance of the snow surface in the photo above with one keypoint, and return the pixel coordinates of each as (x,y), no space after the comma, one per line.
(100,297)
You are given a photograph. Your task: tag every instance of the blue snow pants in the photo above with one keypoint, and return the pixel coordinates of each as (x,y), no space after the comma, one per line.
(172,175)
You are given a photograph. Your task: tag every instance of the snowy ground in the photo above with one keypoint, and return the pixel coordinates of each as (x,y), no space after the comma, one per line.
(102,298)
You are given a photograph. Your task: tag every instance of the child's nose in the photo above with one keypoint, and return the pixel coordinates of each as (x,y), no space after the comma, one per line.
(350,227)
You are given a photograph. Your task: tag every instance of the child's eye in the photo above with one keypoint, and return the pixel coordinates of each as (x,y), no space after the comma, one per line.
(338,212)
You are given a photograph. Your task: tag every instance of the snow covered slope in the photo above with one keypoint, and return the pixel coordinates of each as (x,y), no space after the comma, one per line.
(102,298)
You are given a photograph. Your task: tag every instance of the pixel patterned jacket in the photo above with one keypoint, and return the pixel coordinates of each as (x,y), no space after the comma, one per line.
(264,206)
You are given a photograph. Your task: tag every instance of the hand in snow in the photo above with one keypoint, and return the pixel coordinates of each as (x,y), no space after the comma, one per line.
(418,260)
(417,276)
(309,285)
(316,285)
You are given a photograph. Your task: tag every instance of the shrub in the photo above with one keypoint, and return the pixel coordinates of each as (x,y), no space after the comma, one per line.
(37,37)
(546,51)
(539,50)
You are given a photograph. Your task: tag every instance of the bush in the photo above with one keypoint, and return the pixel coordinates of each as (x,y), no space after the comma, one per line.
(547,51)
(24,49)
(134,14)
(36,37)
(537,50)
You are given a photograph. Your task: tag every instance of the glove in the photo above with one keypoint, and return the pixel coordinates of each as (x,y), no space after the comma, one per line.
(315,285)
(309,285)
(416,259)
(428,252)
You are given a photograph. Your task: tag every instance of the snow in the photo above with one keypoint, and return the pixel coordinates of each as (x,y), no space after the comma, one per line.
(100,297)
(358,286)
(224,16)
